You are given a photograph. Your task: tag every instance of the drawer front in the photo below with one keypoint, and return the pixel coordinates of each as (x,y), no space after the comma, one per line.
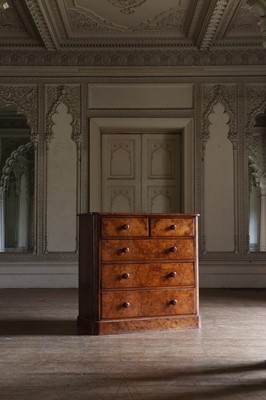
(147,303)
(124,226)
(149,249)
(119,276)
(172,227)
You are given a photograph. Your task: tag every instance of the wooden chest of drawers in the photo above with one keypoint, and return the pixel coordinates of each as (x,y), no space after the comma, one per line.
(137,272)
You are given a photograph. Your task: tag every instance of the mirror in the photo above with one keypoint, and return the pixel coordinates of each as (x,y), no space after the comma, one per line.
(257,186)
(16,182)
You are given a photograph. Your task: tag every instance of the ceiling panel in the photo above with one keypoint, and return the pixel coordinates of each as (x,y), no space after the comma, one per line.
(186,25)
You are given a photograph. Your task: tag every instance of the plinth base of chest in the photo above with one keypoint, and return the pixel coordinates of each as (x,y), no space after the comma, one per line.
(85,326)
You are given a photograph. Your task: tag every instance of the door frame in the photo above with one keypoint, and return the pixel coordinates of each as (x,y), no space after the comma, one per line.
(185,126)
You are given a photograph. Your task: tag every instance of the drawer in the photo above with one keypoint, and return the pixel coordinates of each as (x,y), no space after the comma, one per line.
(124,226)
(119,276)
(147,303)
(172,227)
(147,249)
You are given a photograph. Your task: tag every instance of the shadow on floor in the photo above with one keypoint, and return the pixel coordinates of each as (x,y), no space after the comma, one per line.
(231,388)
(38,327)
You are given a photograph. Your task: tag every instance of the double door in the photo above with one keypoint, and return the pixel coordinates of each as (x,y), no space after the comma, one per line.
(141,173)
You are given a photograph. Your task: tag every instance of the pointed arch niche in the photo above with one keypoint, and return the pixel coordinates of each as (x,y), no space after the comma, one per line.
(63,146)
(257,183)
(255,145)
(17,171)
(219,183)
(98,126)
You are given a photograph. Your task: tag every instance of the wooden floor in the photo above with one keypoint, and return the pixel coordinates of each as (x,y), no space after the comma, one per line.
(42,357)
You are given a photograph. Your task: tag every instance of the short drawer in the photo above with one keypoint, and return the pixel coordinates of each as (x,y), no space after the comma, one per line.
(124,226)
(172,227)
(147,249)
(119,276)
(147,303)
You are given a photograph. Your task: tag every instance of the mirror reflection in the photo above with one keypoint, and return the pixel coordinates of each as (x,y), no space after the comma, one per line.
(257,186)
(16,182)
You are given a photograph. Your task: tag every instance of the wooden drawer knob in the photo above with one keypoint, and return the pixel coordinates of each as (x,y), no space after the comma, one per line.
(126,275)
(173,302)
(173,249)
(173,227)
(125,250)
(172,274)
(126,227)
(126,304)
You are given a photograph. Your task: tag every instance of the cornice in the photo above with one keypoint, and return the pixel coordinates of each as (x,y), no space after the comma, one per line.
(133,74)
(130,57)
(42,25)
(194,13)
(228,14)
(213,24)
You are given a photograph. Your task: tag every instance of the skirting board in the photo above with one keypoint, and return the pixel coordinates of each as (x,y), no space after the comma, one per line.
(39,275)
(232,275)
(65,275)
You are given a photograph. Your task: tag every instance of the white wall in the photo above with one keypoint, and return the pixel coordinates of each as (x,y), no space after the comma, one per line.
(211,189)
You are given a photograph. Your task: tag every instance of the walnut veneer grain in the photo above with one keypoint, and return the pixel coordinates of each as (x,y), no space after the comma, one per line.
(137,271)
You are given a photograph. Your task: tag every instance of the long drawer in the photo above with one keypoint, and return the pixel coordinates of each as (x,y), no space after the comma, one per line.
(147,303)
(119,276)
(147,249)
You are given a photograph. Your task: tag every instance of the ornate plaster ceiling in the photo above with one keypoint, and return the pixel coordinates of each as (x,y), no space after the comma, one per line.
(84,25)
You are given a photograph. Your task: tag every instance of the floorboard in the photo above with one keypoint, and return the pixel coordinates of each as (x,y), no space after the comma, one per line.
(42,357)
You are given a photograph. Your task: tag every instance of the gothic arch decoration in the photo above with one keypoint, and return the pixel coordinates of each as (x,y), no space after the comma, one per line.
(254,171)
(70,96)
(10,163)
(16,201)
(226,95)
(25,99)
(256,104)
(213,95)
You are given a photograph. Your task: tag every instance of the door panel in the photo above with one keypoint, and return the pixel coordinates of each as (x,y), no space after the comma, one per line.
(141,173)
(161,172)
(121,173)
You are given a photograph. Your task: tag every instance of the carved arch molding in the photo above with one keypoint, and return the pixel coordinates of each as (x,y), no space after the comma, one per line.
(255,104)
(225,94)
(70,96)
(25,98)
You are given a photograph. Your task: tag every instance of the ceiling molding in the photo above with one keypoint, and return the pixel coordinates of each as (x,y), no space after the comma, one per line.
(125,57)
(44,27)
(81,25)
(211,24)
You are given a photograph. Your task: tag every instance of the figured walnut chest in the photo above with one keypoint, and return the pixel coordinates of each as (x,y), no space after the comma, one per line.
(137,272)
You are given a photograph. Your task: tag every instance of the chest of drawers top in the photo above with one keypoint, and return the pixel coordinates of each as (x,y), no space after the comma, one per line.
(146,225)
